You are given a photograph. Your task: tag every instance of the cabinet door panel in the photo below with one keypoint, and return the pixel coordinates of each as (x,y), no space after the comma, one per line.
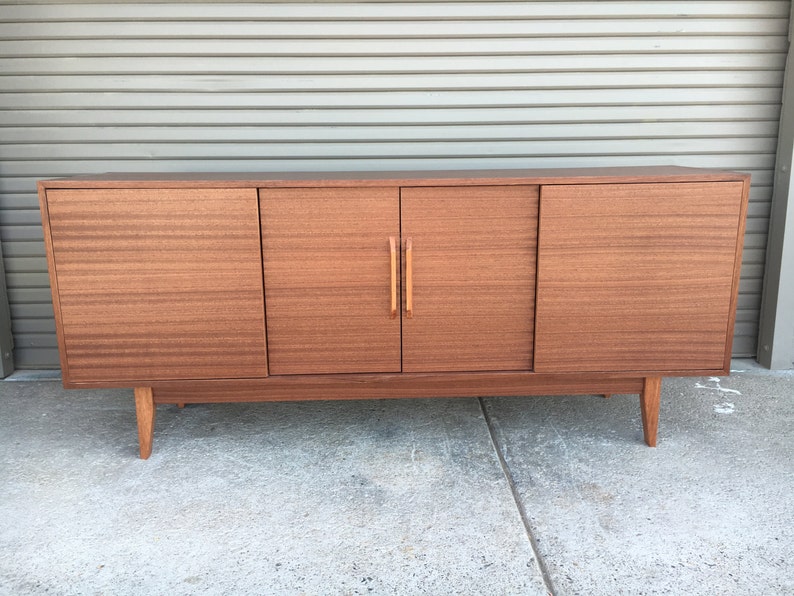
(474,254)
(327,279)
(158,284)
(635,277)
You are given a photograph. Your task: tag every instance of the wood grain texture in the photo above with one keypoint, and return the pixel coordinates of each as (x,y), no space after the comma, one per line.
(473,277)
(155,284)
(636,277)
(737,269)
(387,386)
(145,413)
(56,303)
(327,279)
(602,175)
(649,408)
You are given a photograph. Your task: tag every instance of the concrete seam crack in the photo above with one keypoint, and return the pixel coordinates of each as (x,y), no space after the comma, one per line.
(539,561)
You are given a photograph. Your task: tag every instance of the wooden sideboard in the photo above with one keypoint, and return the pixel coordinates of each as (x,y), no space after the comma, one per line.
(256,287)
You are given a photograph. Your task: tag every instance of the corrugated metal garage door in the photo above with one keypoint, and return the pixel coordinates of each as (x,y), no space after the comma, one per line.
(87,88)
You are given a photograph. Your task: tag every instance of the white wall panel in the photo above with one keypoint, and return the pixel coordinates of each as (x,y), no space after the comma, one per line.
(198,86)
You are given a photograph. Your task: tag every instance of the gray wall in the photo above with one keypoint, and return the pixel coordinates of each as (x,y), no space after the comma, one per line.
(87,88)
(776,330)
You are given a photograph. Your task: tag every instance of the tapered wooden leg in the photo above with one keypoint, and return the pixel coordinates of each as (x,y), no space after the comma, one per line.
(649,405)
(180,405)
(607,395)
(144,409)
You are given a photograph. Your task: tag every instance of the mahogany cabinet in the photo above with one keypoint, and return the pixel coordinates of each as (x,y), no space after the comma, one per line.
(636,277)
(472,278)
(156,283)
(326,256)
(254,287)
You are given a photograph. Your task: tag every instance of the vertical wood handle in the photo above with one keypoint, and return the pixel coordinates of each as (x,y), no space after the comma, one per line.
(393,248)
(409,279)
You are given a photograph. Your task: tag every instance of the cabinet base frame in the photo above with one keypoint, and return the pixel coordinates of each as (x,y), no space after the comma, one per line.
(388,386)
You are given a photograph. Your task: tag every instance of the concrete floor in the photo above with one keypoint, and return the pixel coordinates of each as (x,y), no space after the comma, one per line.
(454,496)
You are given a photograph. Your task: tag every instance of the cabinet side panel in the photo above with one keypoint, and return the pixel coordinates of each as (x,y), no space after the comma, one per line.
(737,269)
(56,304)
(635,277)
(474,251)
(326,255)
(158,284)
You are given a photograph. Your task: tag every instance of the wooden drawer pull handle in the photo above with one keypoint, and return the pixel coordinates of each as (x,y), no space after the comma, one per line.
(393,247)
(409,279)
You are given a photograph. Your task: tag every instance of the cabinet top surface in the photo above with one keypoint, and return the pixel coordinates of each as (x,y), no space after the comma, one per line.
(393,178)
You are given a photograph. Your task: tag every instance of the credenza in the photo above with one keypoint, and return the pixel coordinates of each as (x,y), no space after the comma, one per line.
(193,288)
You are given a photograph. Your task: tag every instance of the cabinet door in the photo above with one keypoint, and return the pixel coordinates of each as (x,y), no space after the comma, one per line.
(328,290)
(473,276)
(636,277)
(157,284)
